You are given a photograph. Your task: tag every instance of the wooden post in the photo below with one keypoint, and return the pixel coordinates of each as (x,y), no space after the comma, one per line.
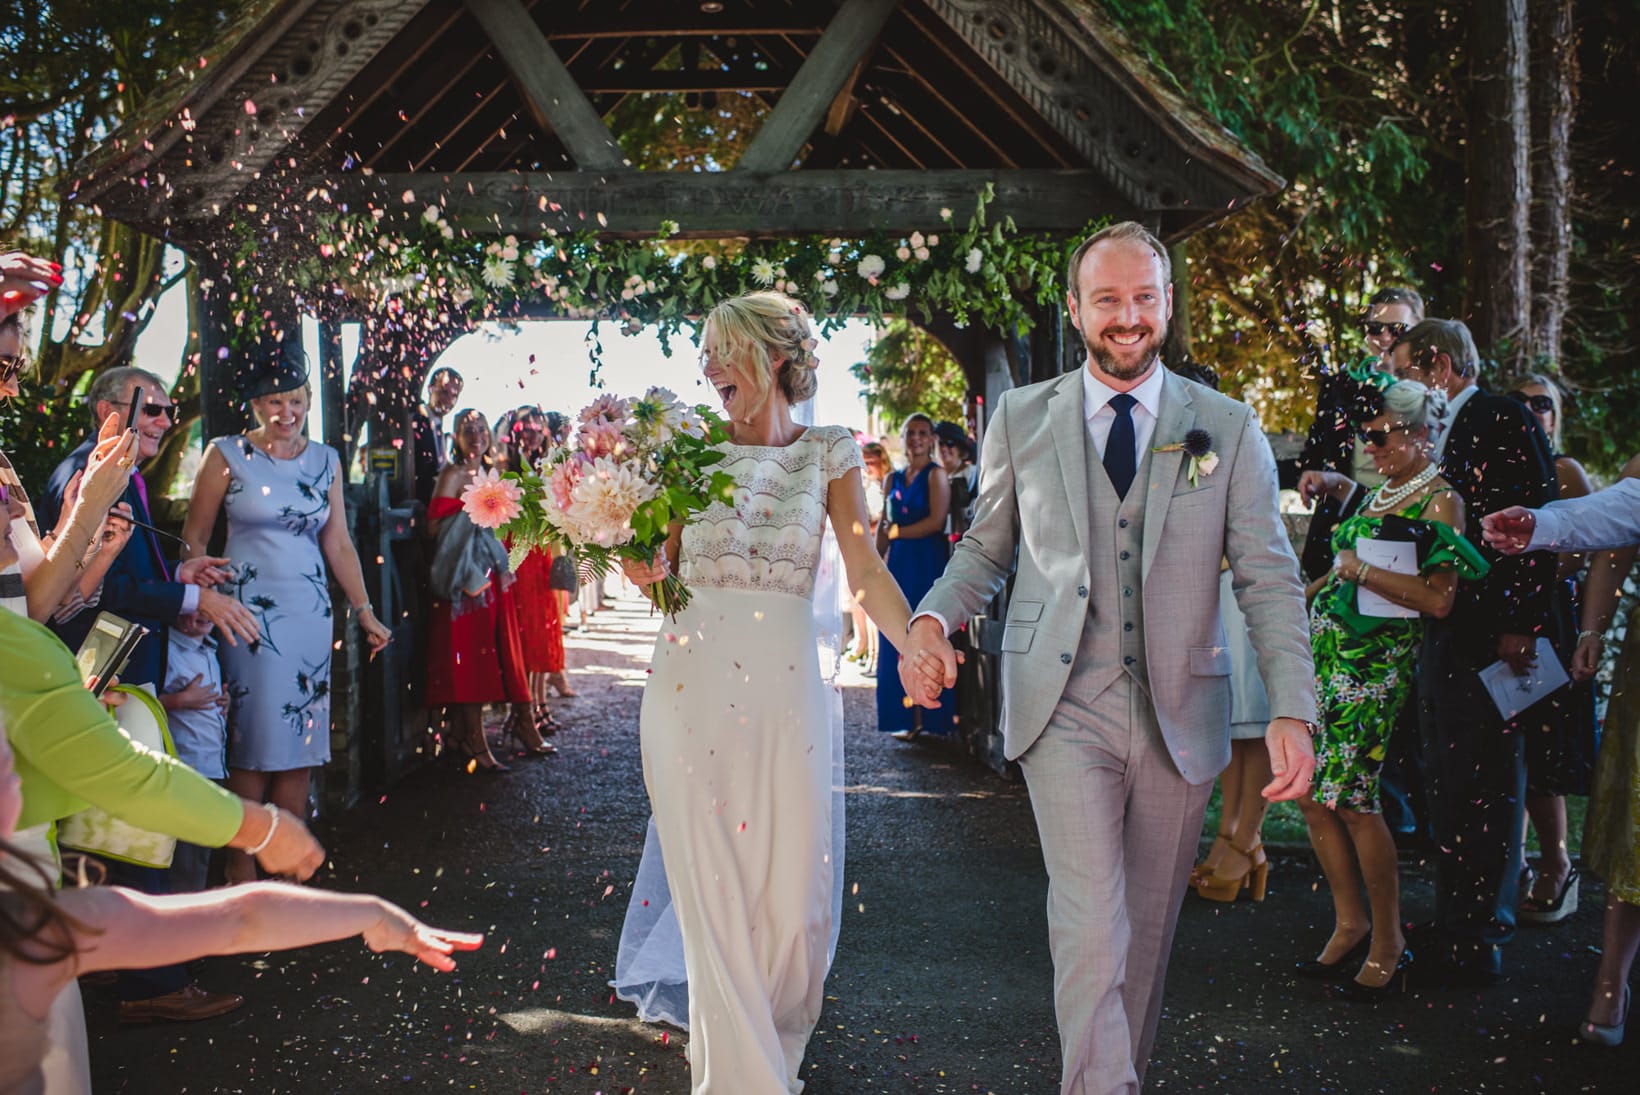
(848,40)
(219,409)
(554,98)
(331,385)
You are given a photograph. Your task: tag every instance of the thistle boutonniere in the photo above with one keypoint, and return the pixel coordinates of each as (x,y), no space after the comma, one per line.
(1198,445)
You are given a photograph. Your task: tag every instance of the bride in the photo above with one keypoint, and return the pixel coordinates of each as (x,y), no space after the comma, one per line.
(736,720)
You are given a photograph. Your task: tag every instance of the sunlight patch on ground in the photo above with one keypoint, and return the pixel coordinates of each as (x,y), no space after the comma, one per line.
(900,792)
(552,1021)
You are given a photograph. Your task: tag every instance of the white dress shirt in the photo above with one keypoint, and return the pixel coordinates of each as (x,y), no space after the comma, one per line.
(1101,416)
(200,734)
(1605,519)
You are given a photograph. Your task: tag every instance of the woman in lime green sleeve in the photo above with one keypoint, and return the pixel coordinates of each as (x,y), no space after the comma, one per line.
(71,755)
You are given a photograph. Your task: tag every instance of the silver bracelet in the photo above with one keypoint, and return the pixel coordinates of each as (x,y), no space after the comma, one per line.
(273,827)
(1601,635)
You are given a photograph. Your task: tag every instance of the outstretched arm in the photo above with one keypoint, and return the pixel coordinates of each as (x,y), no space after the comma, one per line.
(118,928)
(870,584)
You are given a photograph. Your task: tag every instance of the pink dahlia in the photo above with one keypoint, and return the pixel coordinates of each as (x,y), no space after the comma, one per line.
(490,500)
(564,478)
(600,438)
(606,408)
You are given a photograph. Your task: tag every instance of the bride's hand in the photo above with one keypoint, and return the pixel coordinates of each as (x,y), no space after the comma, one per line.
(644,575)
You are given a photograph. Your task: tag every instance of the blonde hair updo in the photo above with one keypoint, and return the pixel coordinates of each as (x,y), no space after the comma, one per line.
(753,330)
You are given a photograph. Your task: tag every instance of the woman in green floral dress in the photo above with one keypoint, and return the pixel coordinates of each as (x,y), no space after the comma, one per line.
(1364,661)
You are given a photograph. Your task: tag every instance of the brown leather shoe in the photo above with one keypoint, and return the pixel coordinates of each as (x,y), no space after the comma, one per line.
(185,1006)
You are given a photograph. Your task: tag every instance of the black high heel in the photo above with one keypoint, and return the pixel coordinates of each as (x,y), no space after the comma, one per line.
(1318,970)
(1357,993)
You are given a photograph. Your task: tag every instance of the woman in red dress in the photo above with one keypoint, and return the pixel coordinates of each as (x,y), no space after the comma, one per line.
(540,616)
(475,656)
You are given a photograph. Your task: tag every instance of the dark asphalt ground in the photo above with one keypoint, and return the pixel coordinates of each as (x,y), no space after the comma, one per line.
(942,981)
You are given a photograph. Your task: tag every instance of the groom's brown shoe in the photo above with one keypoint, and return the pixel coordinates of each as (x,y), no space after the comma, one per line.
(186,1005)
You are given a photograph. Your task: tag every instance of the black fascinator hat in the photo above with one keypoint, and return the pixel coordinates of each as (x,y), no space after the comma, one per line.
(949,433)
(279,368)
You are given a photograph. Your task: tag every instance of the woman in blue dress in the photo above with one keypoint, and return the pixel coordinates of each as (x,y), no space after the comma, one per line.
(286,521)
(911,536)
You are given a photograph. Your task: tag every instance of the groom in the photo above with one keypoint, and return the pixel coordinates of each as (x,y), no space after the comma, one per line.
(1114,669)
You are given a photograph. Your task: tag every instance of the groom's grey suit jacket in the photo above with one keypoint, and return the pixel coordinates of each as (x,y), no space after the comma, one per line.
(1036,503)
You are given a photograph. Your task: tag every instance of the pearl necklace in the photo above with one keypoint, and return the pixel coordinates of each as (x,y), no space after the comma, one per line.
(1389,498)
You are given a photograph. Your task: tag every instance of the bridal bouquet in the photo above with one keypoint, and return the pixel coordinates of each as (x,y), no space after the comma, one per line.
(634,467)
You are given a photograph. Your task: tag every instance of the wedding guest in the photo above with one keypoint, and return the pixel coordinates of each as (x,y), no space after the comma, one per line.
(1365,660)
(877,466)
(475,653)
(540,623)
(911,537)
(1494,455)
(1611,829)
(58,585)
(287,524)
(430,441)
(1561,736)
(1237,852)
(72,755)
(142,585)
(565,581)
(956,456)
(1332,444)
(196,710)
(48,939)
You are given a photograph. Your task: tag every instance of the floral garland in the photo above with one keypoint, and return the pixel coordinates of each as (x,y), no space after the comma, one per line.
(987,273)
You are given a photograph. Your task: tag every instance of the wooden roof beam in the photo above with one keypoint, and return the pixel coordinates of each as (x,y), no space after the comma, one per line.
(735,203)
(848,40)
(558,103)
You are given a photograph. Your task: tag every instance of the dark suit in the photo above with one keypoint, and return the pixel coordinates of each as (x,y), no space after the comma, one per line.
(1495,457)
(428,453)
(1330,446)
(138,586)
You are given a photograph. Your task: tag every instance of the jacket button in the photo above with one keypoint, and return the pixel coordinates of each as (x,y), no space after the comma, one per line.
(1066,658)
(1128,626)
(1122,523)
(1081,591)
(1127,591)
(1129,660)
(1126,555)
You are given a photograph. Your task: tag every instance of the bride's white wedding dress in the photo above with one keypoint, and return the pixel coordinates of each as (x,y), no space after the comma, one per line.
(738,757)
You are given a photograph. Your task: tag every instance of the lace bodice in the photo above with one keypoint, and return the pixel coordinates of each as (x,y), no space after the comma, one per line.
(770,538)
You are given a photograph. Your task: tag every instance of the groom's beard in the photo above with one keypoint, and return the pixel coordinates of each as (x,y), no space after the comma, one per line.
(1125,362)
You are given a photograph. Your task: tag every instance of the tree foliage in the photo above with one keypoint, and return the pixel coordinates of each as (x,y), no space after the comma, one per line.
(908,370)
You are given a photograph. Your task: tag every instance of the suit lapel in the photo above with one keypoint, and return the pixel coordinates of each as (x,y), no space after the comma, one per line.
(1070,441)
(139,510)
(1177,417)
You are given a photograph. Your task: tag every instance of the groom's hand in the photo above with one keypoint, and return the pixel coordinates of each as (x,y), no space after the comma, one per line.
(1292,759)
(928,664)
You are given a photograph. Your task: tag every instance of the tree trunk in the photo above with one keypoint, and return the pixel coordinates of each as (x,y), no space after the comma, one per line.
(1553,99)
(1178,346)
(1499,188)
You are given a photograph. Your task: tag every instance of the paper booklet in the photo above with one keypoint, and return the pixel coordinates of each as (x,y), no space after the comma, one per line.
(1396,556)
(1514,694)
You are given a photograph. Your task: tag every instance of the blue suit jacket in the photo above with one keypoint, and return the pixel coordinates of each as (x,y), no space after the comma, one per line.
(137,588)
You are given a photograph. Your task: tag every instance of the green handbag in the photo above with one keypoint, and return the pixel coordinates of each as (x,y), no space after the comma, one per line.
(102,834)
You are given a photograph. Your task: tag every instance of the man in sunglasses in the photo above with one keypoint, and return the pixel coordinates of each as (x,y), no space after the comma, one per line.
(142,584)
(1495,456)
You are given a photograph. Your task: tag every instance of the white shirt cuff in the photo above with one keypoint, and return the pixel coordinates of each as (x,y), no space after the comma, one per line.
(945,627)
(1548,530)
(190,599)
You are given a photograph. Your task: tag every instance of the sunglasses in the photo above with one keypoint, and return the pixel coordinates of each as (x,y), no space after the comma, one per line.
(1378,438)
(1375,328)
(154,410)
(10,366)
(1539,404)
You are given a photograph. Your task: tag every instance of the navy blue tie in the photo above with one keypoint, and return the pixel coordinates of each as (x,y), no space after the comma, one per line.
(1121,447)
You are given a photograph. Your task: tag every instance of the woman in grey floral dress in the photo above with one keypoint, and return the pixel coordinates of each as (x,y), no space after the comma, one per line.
(286,521)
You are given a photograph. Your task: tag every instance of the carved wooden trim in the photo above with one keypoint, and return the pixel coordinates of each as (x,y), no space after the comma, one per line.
(1090,106)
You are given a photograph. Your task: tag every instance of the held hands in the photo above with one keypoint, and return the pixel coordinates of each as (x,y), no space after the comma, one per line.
(1509,530)
(397,930)
(928,664)
(1292,759)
